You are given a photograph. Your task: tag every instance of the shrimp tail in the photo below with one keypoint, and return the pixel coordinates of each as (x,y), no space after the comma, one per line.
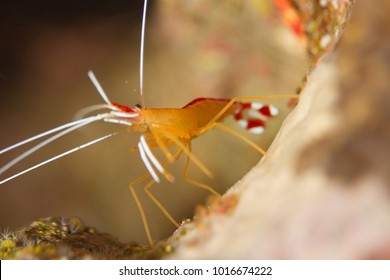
(253,116)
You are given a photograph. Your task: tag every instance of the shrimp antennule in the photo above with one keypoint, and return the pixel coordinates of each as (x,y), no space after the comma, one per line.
(117,110)
(98,87)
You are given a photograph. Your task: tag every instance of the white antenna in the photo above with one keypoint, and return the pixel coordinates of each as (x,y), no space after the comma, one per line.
(141,63)
(58,156)
(75,125)
(62,127)
(98,87)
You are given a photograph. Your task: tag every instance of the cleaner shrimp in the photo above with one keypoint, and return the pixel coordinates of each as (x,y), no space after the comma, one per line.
(160,128)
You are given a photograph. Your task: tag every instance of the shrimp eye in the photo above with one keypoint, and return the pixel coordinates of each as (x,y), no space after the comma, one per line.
(139,106)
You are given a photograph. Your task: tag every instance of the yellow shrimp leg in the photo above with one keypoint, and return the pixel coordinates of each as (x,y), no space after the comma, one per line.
(152,197)
(176,155)
(241,136)
(161,145)
(158,203)
(139,206)
(188,152)
(193,182)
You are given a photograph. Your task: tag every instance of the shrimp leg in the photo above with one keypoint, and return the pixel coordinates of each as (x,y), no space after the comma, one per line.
(188,152)
(176,155)
(193,182)
(239,135)
(158,203)
(161,145)
(139,205)
(152,197)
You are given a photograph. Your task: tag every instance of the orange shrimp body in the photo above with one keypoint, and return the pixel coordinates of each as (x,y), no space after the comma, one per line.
(188,122)
(195,118)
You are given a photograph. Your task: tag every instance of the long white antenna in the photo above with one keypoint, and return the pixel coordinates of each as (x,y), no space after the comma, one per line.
(58,156)
(61,127)
(51,139)
(141,62)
